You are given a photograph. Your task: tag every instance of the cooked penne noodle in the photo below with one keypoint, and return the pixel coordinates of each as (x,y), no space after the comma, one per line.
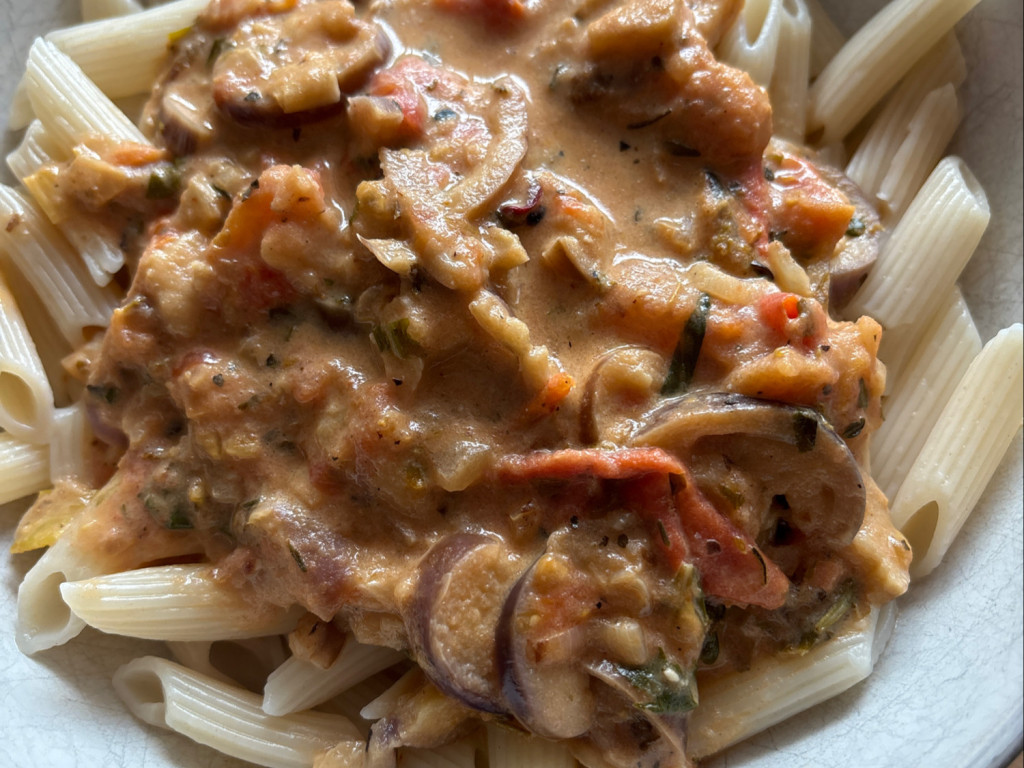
(962,451)
(929,247)
(734,708)
(44,619)
(788,89)
(944,63)
(24,468)
(510,748)
(351,701)
(225,717)
(172,602)
(826,38)
(123,55)
(26,400)
(299,684)
(37,148)
(929,134)
(245,661)
(103,9)
(752,42)
(875,59)
(46,260)
(67,445)
(921,386)
(68,103)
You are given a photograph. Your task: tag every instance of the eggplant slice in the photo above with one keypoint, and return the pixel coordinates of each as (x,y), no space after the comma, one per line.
(779,472)
(453,616)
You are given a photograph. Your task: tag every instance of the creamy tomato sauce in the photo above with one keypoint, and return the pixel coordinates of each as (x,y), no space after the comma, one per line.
(496,332)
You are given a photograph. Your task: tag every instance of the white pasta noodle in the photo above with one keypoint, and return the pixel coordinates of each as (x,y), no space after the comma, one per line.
(929,133)
(60,278)
(752,42)
(68,103)
(734,708)
(920,390)
(24,468)
(44,619)
(51,345)
(826,38)
(788,88)
(37,148)
(103,9)
(299,684)
(68,443)
(963,450)
(123,55)
(922,259)
(874,60)
(944,63)
(225,717)
(172,602)
(26,400)
(509,748)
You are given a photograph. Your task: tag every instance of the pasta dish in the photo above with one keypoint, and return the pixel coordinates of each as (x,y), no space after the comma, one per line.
(498,375)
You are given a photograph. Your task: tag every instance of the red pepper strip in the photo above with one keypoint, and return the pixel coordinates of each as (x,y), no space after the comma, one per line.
(569,463)
(650,498)
(731,566)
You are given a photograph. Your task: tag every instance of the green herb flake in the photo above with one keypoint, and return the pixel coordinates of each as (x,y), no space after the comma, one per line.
(218,379)
(668,687)
(164,182)
(297,557)
(684,359)
(709,651)
(664,534)
(394,338)
(179,520)
(862,395)
(107,392)
(805,430)
(853,429)
(856,228)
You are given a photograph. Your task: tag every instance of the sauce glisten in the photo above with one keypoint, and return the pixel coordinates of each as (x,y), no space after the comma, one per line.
(496,332)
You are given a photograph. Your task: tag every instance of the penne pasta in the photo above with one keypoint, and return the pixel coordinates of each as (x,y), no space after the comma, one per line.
(225,717)
(103,9)
(172,602)
(826,38)
(921,382)
(299,684)
(788,87)
(26,400)
(963,450)
(68,103)
(752,42)
(44,619)
(870,163)
(922,259)
(67,444)
(928,134)
(874,60)
(46,260)
(123,55)
(734,708)
(24,468)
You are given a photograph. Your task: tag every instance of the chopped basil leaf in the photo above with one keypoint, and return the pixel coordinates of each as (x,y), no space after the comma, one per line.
(684,359)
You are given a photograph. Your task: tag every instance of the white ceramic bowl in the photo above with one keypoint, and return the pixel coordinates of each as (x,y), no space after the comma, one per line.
(947,692)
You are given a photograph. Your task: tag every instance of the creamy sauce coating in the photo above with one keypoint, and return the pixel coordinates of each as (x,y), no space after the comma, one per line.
(497,333)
